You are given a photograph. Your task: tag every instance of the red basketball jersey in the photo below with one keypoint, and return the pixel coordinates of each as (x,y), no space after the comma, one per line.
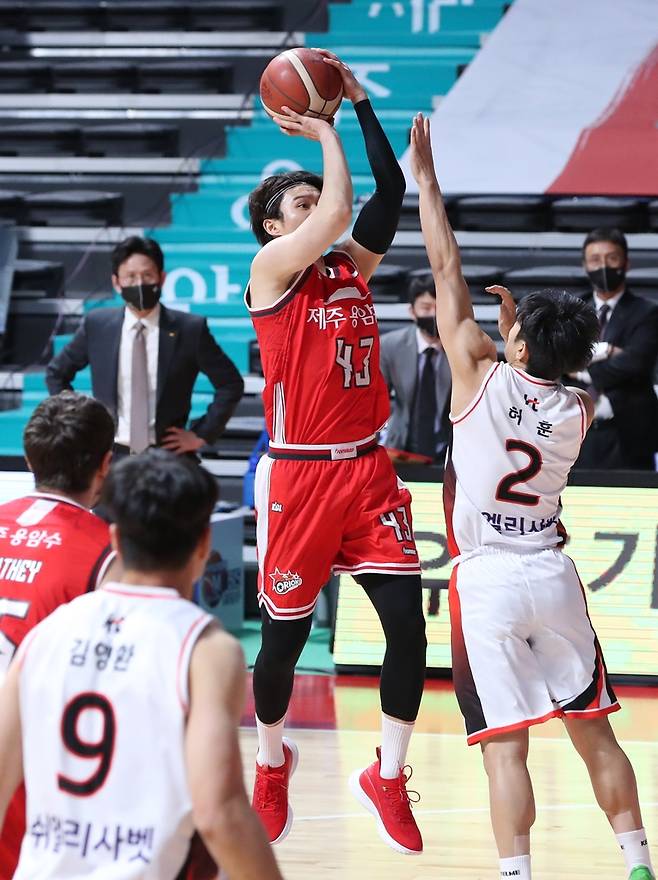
(51,551)
(319,346)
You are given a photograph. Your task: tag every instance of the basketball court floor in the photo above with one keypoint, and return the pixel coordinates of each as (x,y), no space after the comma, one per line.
(335,722)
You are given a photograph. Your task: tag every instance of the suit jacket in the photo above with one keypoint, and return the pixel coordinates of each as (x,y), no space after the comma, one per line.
(399,366)
(627,378)
(186,348)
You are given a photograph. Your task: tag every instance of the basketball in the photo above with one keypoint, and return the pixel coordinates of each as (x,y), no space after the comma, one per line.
(300,79)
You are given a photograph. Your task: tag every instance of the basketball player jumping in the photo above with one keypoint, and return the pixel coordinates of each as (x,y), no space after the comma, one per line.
(327,498)
(523,647)
(122,707)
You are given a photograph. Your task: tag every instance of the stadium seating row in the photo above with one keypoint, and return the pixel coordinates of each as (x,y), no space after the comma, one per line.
(148,15)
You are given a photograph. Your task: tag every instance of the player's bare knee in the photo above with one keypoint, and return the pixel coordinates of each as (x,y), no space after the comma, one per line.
(504,753)
(594,739)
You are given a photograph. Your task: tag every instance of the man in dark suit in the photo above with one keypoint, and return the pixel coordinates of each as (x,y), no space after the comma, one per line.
(624,433)
(145,359)
(416,371)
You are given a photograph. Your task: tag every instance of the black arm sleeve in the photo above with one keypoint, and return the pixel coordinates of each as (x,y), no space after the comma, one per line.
(378,220)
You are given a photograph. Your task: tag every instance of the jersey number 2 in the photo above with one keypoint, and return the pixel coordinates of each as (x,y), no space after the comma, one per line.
(345,359)
(101,749)
(505,492)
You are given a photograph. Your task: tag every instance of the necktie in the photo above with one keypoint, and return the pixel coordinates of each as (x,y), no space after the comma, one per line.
(425,408)
(604,314)
(139,393)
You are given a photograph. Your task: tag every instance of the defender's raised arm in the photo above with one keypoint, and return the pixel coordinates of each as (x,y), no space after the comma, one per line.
(469,350)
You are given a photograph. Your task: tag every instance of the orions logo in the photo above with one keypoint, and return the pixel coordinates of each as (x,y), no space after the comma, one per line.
(285,581)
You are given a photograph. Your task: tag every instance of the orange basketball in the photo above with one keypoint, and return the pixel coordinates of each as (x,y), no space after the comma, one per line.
(301,80)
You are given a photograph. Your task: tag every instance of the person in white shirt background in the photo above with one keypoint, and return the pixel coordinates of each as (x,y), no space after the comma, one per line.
(624,433)
(145,359)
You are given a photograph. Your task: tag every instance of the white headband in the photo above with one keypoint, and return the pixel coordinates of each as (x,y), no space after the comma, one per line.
(278,193)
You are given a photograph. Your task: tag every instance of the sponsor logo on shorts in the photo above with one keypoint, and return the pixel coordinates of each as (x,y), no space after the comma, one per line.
(285,581)
(409,552)
(277,507)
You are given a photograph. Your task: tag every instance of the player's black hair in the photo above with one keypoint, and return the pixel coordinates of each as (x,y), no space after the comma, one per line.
(135,244)
(66,440)
(420,284)
(559,329)
(607,233)
(161,504)
(264,204)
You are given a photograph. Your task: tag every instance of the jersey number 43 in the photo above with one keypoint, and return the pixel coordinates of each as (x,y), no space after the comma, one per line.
(353,378)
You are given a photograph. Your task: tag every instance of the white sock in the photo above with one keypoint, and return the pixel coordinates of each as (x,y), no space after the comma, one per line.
(395,742)
(270,743)
(517,868)
(635,849)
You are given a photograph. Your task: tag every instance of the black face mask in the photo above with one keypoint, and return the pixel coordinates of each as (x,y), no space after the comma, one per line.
(427,323)
(606,279)
(142,297)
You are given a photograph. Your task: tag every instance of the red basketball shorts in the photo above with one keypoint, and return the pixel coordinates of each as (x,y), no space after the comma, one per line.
(315,518)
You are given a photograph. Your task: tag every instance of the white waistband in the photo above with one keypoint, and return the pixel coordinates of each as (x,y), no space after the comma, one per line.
(502,549)
(337,450)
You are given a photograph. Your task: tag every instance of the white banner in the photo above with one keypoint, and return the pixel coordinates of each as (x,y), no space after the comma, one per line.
(562,98)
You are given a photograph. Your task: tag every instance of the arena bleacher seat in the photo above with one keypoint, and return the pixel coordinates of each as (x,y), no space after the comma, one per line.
(495,213)
(24,76)
(582,213)
(11,205)
(522,281)
(389,283)
(652,208)
(74,208)
(44,277)
(41,139)
(130,139)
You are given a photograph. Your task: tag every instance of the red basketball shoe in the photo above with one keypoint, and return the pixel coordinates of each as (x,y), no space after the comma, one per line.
(270,799)
(388,800)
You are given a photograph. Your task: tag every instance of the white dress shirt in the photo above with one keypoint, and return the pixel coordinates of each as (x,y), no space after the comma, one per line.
(610,303)
(602,406)
(124,379)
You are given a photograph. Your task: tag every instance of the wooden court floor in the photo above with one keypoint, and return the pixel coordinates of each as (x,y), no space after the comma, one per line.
(335,726)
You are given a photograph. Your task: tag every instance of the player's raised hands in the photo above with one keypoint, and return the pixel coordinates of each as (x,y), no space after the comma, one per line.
(293,124)
(507,313)
(352,88)
(421,158)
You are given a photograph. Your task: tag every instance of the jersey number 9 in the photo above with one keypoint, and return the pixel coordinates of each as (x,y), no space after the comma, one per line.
(100,750)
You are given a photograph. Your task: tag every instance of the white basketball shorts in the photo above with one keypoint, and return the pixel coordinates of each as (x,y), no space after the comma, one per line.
(523,647)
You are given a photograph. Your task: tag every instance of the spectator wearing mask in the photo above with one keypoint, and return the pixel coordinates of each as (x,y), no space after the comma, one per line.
(416,371)
(145,359)
(624,433)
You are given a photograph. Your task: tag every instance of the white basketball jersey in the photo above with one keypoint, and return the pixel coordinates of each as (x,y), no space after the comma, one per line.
(104,699)
(512,450)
